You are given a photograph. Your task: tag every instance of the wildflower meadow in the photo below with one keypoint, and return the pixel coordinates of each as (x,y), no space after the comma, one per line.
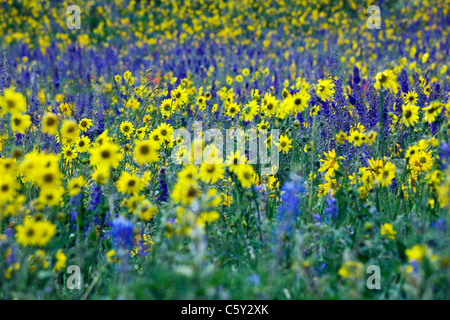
(219,150)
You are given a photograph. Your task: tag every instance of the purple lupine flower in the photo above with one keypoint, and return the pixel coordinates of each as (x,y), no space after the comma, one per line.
(19,138)
(299,117)
(404,81)
(75,203)
(290,198)
(100,115)
(338,93)
(317,218)
(356,78)
(90,106)
(289,209)
(415,266)
(434,128)
(417,87)
(398,104)
(253,280)
(5,79)
(394,185)
(77,107)
(360,105)
(34,100)
(333,64)
(163,191)
(95,197)
(321,267)
(388,102)
(331,210)
(122,233)
(363,156)
(374,106)
(444,154)
(440,225)
(435,91)
(93,209)
(9,233)
(351,99)
(107,223)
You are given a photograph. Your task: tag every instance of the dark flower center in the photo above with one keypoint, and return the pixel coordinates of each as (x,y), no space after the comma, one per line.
(145,150)
(30,233)
(48,178)
(105,154)
(50,121)
(192,192)
(10,103)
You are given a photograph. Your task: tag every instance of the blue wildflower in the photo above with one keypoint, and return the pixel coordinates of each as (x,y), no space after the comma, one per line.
(356,78)
(331,210)
(253,280)
(122,233)
(289,209)
(444,154)
(163,191)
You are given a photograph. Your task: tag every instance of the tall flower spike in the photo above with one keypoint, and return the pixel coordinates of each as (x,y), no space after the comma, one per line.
(331,210)
(34,101)
(289,209)
(5,79)
(163,191)
(122,233)
(404,81)
(356,78)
